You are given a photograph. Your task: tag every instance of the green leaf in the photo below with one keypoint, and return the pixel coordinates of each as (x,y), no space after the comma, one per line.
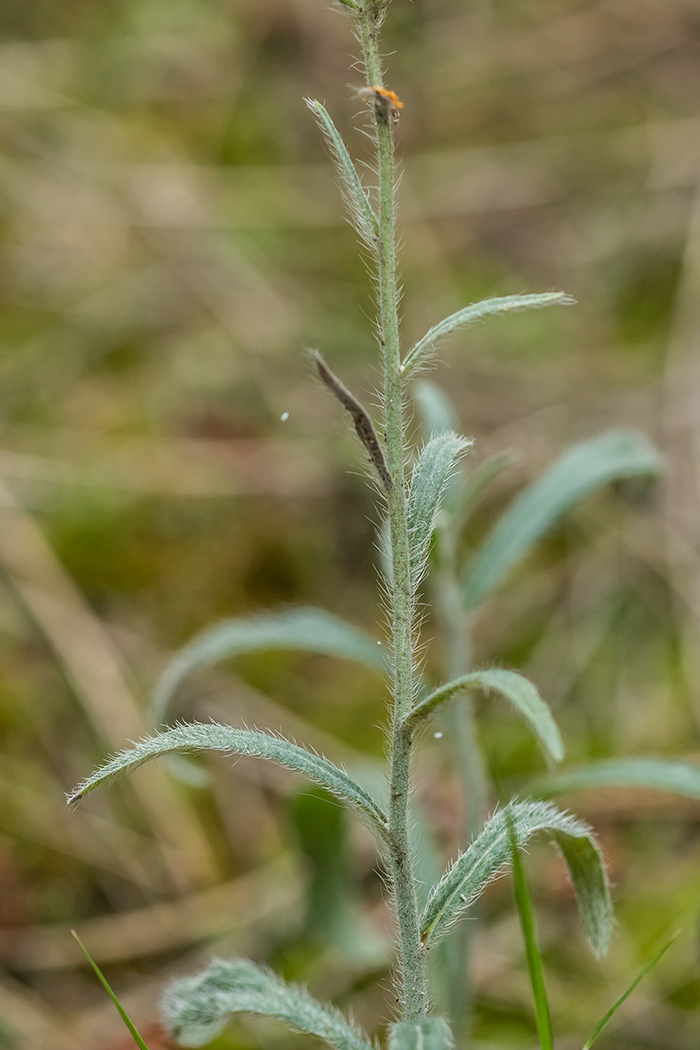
(625,995)
(490,854)
(306,630)
(436,412)
(514,687)
(523,900)
(225,988)
(678,778)
(363,217)
(480,478)
(582,469)
(429,1033)
(425,347)
(122,1012)
(431,477)
(215,737)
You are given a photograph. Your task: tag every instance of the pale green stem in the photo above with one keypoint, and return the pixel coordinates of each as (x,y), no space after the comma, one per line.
(412,966)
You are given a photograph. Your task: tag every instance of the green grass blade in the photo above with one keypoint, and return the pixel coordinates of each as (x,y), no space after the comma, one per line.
(625,995)
(307,630)
(122,1012)
(581,470)
(523,900)
(678,778)
(521,693)
(425,347)
(212,736)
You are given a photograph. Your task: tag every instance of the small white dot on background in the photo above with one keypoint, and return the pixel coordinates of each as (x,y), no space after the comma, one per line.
(284,417)
(438,736)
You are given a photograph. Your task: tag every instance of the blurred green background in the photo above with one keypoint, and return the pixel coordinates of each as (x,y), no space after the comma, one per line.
(171,239)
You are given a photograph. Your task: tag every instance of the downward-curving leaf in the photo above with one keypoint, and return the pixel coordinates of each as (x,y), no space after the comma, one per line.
(431,476)
(514,687)
(364,219)
(678,778)
(206,1003)
(306,630)
(425,347)
(430,1033)
(582,469)
(490,854)
(212,736)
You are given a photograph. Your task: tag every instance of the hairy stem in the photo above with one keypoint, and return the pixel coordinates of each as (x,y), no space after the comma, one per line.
(412,968)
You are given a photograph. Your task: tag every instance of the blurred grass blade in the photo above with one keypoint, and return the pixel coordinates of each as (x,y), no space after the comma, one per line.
(582,469)
(482,477)
(209,1000)
(436,412)
(625,995)
(305,630)
(198,736)
(425,347)
(429,1033)
(523,901)
(490,853)
(122,1012)
(678,778)
(363,217)
(431,476)
(514,687)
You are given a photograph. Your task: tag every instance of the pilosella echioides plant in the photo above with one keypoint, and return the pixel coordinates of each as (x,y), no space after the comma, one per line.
(425,502)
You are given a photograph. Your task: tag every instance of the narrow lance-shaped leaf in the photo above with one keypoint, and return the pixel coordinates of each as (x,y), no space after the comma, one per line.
(212,736)
(431,476)
(206,1003)
(435,409)
(425,347)
(678,778)
(363,217)
(429,1033)
(514,687)
(490,854)
(582,469)
(306,630)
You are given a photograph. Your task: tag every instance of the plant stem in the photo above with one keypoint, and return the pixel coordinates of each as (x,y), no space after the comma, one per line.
(412,967)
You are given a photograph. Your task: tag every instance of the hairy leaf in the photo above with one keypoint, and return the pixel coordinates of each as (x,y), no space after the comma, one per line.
(678,778)
(490,854)
(582,469)
(430,1033)
(425,347)
(212,736)
(306,630)
(431,476)
(363,217)
(209,1000)
(514,687)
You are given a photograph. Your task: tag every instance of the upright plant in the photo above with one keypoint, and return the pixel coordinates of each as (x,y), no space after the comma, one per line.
(413,488)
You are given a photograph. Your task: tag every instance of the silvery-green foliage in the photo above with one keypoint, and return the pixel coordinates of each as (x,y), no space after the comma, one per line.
(430,1033)
(431,476)
(661,774)
(198,736)
(425,348)
(199,1007)
(514,687)
(304,629)
(581,470)
(363,217)
(435,409)
(490,854)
